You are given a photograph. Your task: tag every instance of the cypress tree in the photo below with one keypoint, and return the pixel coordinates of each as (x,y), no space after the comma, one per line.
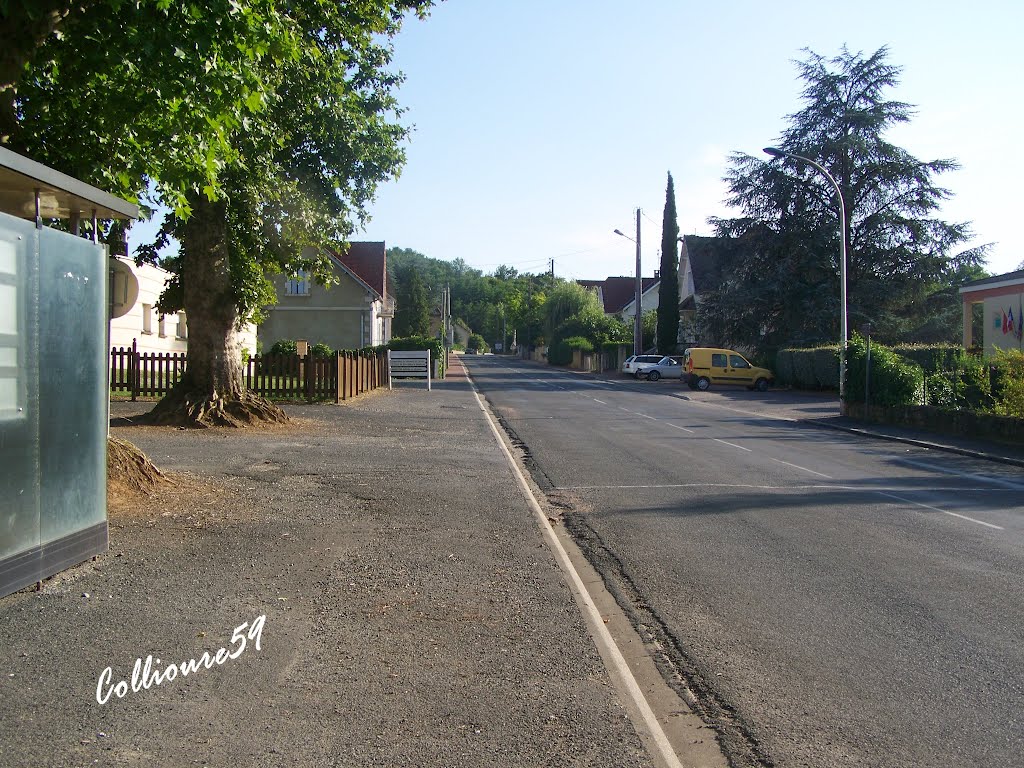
(668,290)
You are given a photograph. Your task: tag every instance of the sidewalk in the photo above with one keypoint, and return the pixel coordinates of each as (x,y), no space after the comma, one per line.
(414,616)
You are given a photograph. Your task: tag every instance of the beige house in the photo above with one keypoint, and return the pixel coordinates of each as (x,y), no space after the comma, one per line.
(353,313)
(460,331)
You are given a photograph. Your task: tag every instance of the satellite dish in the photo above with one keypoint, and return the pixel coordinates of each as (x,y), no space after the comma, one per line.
(124,288)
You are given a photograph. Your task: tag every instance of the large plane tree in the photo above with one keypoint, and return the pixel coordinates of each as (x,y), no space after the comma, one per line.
(264,126)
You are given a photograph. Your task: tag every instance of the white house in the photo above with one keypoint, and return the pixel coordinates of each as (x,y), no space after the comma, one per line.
(142,323)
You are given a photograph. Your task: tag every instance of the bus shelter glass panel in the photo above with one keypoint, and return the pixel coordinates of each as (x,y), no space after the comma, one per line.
(73,417)
(19,412)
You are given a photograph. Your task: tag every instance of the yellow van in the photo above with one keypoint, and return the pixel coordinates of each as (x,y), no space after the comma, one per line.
(703,366)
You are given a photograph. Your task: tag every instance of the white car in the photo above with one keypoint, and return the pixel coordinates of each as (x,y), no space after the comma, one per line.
(633,361)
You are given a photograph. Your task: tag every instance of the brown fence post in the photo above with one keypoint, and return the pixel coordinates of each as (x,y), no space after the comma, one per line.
(133,370)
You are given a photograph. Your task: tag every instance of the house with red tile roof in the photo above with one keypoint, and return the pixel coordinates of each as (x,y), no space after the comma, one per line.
(618,294)
(356,311)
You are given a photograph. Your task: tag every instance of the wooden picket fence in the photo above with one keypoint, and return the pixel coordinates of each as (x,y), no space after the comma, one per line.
(276,377)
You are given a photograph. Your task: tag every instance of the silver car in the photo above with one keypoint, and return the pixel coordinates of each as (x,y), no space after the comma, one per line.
(668,367)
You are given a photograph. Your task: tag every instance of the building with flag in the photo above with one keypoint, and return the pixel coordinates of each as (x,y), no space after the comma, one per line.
(1002,299)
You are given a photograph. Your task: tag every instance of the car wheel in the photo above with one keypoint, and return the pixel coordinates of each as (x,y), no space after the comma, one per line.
(653,376)
(638,375)
(762,385)
(703,383)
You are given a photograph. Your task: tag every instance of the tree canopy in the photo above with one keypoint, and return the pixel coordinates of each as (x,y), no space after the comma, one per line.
(781,283)
(264,125)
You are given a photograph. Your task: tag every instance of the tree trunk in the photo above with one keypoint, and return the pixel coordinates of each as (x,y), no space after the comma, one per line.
(212,391)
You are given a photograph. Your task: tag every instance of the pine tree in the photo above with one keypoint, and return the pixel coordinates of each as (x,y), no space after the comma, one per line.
(668,289)
(782,285)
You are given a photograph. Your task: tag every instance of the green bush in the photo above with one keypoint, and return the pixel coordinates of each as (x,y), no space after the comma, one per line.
(895,381)
(964,382)
(933,358)
(803,369)
(284,347)
(826,366)
(476,341)
(321,350)
(784,374)
(1009,387)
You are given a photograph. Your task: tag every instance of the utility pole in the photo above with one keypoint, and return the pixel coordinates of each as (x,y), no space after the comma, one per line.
(552,272)
(638,322)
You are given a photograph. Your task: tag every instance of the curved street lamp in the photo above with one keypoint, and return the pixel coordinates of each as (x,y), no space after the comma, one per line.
(774,152)
(638,328)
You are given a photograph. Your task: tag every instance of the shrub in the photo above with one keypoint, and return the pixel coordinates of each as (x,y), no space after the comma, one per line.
(321,350)
(284,347)
(1009,388)
(245,355)
(803,369)
(476,341)
(895,381)
(933,358)
(826,366)
(559,353)
(784,367)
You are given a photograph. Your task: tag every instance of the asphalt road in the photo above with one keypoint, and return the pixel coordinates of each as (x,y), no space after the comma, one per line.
(832,600)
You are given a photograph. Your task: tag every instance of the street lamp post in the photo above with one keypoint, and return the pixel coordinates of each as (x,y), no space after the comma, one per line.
(638,323)
(842,265)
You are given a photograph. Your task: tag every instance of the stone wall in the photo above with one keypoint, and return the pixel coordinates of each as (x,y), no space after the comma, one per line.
(960,423)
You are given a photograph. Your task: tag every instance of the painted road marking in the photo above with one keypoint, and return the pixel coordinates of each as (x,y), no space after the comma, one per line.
(943,511)
(805,469)
(726,442)
(676,426)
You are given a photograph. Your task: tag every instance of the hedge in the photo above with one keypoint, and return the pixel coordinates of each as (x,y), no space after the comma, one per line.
(560,353)
(895,381)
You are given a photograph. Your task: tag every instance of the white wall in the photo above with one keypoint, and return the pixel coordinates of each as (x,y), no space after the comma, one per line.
(143,324)
(995,308)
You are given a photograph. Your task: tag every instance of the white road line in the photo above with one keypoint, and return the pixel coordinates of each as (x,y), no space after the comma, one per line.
(598,630)
(943,511)
(805,469)
(959,473)
(602,402)
(676,426)
(652,418)
(725,442)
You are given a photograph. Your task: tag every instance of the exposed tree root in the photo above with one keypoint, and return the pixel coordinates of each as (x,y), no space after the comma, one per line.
(129,469)
(198,410)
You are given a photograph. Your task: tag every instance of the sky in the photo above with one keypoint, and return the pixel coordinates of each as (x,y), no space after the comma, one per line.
(540,126)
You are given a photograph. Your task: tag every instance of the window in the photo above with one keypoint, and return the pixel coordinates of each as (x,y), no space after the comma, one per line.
(738,362)
(718,360)
(182,330)
(297,285)
(147,318)
(160,326)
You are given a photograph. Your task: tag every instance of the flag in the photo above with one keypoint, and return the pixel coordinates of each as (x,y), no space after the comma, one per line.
(1004,322)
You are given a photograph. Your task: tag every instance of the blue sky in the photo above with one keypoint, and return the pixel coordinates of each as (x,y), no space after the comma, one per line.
(540,126)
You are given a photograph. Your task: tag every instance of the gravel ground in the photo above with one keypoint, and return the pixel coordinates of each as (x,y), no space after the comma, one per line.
(413,614)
